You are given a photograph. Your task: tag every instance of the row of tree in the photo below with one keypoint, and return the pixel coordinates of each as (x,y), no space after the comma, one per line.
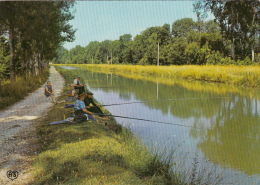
(233,33)
(31,33)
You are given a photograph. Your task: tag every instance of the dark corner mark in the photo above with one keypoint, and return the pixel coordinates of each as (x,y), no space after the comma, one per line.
(12,174)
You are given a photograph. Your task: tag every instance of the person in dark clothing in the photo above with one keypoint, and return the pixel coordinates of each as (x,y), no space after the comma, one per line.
(72,94)
(94,108)
(79,86)
(49,91)
(80,108)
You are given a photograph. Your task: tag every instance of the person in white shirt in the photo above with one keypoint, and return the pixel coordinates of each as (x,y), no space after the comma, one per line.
(77,85)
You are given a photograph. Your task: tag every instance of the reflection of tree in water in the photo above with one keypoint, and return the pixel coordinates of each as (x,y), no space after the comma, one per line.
(224,140)
(125,96)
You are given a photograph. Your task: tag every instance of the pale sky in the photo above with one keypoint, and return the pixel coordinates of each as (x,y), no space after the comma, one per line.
(108,20)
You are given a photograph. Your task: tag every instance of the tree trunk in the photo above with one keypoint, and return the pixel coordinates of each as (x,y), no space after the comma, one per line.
(23,67)
(258,42)
(253,54)
(232,41)
(39,63)
(232,50)
(11,47)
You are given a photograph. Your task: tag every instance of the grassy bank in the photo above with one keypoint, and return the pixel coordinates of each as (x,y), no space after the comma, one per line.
(91,153)
(11,93)
(233,75)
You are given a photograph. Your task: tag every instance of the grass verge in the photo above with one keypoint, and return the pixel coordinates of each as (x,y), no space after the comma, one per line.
(11,93)
(91,153)
(233,75)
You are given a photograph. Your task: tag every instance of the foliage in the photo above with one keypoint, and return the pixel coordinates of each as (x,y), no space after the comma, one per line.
(4,58)
(232,33)
(238,21)
(181,28)
(34,32)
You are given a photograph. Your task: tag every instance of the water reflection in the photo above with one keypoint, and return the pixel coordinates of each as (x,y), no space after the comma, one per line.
(225,130)
(240,150)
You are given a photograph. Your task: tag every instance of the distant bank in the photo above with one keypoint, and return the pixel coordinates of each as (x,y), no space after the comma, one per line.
(247,76)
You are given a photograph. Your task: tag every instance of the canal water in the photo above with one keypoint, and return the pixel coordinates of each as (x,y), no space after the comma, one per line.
(215,126)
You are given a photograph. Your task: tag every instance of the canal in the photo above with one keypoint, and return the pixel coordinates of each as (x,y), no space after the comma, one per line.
(215,126)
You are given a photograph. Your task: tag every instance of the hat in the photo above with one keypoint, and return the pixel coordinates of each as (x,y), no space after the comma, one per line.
(80,95)
(90,93)
(78,76)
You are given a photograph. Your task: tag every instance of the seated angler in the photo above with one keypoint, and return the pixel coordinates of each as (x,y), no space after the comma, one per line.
(94,108)
(79,86)
(80,108)
(72,94)
(49,91)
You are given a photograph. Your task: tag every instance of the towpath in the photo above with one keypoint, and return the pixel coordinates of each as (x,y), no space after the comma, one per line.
(18,138)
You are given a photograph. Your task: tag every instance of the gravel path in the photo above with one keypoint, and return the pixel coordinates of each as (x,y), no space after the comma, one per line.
(18,131)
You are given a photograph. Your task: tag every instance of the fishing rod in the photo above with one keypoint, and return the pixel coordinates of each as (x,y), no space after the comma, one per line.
(157,100)
(103,87)
(164,100)
(168,123)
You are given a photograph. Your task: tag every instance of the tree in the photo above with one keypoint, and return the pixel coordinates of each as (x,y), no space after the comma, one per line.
(8,19)
(4,57)
(181,28)
(125,51)
(238,22)
(35,31)
(198,8)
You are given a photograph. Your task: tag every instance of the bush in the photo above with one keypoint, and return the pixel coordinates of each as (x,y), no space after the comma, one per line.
(192,53)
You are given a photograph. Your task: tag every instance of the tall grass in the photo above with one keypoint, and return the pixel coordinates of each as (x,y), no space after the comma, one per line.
(11,93)
(233,75)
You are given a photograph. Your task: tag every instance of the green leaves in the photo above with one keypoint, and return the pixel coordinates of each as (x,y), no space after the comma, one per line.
(35,29)
(181,28)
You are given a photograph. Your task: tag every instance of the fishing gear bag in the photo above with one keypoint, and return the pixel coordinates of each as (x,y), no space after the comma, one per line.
(80,116)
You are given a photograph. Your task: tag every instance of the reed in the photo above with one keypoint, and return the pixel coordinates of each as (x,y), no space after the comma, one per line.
(233,75)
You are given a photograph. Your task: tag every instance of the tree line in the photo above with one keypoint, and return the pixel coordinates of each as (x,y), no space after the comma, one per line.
(232,37)
(31,33)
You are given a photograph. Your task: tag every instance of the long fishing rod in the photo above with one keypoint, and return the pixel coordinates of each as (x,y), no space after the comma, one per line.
(153,121)
(164,100)
(103,87)
(156,101)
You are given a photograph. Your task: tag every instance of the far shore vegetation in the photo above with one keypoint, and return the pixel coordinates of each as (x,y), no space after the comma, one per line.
(232,38)
(91,153)
(224,50)
(248,76)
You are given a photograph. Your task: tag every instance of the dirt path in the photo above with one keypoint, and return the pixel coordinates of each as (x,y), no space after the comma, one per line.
(18,131)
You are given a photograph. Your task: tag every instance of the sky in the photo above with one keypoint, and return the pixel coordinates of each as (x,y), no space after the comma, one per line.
(108,20)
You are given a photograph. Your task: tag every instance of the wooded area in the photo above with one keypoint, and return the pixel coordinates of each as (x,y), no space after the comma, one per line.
(31,33)
(231,38)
